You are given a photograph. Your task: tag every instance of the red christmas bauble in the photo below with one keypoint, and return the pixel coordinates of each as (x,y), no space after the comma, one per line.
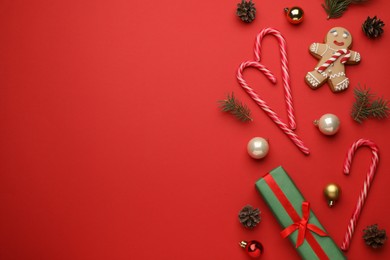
(294,14)
(253,248)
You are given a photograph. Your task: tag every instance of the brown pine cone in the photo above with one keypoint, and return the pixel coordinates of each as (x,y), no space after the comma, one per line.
(249,216)
(246,11)
(374,237)
(373,27)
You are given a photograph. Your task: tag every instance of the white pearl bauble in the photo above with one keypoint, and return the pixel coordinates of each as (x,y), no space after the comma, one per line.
(328,124)
(258,147)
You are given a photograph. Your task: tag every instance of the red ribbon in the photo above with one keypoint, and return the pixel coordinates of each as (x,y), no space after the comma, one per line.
(302,225)
(290,210)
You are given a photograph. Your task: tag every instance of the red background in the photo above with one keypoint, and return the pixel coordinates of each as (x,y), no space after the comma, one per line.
(113,146)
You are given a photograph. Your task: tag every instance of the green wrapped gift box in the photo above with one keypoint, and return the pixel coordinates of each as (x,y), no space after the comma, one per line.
(293,212)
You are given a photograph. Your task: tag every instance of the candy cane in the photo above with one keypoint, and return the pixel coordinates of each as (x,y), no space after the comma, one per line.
(366,186)
(286,81)
(331,60)
(285,71)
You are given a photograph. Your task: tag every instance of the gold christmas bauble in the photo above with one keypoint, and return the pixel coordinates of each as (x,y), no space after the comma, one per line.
(332,193)
(294,14)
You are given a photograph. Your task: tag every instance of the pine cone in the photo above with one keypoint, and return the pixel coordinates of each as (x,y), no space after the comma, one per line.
(249,216)
(246,11)
(372,27)
(374,237)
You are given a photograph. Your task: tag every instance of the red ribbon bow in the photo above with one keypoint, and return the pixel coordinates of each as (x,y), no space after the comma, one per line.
(302,225)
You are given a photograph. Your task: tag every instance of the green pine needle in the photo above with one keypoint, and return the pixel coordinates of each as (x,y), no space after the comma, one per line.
(360,107)
(358,1)
(379,108)
(236,108)
(335,8)
(364,107)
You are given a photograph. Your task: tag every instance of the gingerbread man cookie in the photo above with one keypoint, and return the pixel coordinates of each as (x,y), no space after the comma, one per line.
(333,55)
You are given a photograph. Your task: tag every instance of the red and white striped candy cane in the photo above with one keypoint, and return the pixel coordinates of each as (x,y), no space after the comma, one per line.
(331,60)
(285,71)
(286,80)
(366,186)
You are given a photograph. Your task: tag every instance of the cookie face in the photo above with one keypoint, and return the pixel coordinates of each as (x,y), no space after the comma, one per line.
(338,38)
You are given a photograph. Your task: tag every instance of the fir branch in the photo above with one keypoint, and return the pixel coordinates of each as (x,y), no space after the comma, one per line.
(236,108)
(379,108)
(360,107)
(335,8)
(364,107)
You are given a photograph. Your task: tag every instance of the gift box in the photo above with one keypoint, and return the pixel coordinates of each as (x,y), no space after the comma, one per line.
(299,223)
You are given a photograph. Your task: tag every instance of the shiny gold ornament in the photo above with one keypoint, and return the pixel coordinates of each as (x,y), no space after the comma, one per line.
(294,14)
(332,193)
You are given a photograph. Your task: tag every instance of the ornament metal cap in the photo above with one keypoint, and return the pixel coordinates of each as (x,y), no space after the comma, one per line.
(243,244)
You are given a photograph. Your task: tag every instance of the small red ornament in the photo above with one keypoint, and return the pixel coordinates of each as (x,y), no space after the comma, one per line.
(294,14)
(253,248)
